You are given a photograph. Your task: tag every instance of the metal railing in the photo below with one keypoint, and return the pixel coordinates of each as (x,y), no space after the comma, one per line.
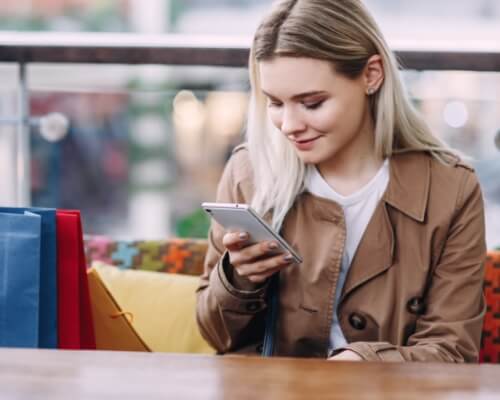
(220,51)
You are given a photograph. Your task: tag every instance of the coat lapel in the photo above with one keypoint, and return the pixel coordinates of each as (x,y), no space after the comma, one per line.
(375,252)
(407,192)
(410,179)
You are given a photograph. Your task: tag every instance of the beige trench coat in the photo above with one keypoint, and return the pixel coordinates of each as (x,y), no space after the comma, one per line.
(414,288)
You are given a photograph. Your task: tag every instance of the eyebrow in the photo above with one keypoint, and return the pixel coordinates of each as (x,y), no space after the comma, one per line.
(299,96)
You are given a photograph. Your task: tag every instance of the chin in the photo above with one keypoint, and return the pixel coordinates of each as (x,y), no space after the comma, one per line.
(312,157)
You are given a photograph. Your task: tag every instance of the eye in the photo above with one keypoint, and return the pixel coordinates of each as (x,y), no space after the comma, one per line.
(274,104)
(314,105)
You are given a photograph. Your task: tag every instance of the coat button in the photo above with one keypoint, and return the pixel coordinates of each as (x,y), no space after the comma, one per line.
(253,306)
(357,321)
(416,306)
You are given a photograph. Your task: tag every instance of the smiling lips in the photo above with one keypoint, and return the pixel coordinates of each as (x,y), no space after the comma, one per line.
(305,144)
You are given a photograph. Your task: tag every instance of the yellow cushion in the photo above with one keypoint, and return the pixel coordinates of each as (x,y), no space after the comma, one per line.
(162,306)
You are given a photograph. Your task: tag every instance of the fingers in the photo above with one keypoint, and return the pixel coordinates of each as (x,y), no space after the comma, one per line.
(263,277)
(260,271)
(346,355)
(233,241)
(256,262)
(241,253)
(253,252)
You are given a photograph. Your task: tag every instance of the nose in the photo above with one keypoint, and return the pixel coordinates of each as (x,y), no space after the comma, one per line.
(291,122)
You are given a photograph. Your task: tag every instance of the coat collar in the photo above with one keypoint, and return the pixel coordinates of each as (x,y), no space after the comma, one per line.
(408,192)
(408,188)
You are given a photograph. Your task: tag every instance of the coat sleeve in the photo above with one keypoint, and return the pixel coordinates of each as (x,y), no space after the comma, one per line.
(450,329)
(228,318)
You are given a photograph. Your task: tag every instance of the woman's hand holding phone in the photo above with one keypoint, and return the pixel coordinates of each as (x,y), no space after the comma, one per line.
(255,263)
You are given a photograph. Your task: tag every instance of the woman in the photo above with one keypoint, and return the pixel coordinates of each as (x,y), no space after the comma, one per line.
(388,220)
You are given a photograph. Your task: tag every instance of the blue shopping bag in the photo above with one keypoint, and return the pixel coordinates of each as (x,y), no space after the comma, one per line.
(20,241)
(47,332)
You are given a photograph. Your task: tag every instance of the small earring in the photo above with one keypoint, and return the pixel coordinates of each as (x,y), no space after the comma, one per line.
(370,91)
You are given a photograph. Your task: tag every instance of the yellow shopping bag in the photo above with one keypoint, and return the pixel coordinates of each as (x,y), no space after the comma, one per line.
(145,311)
(113,327)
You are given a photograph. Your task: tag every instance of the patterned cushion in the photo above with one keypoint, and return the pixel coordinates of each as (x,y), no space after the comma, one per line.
(490,341)
(183,256)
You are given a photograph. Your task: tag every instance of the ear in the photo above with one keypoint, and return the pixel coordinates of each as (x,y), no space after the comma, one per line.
(373,74)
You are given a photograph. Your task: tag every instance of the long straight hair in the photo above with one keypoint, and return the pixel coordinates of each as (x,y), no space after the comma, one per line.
(343,33)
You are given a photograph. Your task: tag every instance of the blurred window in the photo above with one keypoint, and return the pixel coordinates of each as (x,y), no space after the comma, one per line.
(400,19)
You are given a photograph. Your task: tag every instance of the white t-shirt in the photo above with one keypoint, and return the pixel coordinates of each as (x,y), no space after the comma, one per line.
(358,209)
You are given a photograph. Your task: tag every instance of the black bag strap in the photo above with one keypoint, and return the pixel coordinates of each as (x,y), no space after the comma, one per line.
(271,316)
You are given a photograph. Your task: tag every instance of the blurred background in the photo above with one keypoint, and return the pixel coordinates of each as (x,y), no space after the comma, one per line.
(147,144)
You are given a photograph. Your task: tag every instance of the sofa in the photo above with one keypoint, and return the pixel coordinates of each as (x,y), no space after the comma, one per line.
(182,261)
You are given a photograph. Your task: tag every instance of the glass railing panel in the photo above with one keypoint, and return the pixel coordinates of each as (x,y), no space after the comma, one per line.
(146,145)
(463,109)
(8,132)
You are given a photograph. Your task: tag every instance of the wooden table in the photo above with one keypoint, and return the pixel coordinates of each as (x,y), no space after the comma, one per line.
(50,374)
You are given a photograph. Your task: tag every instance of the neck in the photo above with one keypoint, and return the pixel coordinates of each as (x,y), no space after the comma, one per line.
(355,165)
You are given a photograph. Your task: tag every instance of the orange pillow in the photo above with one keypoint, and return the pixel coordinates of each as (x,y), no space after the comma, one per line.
(490,340)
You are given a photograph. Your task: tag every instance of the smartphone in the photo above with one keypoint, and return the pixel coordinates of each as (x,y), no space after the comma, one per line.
(241,217)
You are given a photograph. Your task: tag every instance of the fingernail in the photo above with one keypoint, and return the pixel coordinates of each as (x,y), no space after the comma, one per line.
(288,258)
(273,246)
(243,236)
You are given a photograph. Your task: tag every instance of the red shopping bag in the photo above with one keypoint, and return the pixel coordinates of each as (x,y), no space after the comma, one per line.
(75,325)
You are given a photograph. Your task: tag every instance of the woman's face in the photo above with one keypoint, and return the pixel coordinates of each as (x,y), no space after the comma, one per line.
(323,113)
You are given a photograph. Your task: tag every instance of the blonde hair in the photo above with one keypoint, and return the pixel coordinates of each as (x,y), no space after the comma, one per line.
(344,33)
